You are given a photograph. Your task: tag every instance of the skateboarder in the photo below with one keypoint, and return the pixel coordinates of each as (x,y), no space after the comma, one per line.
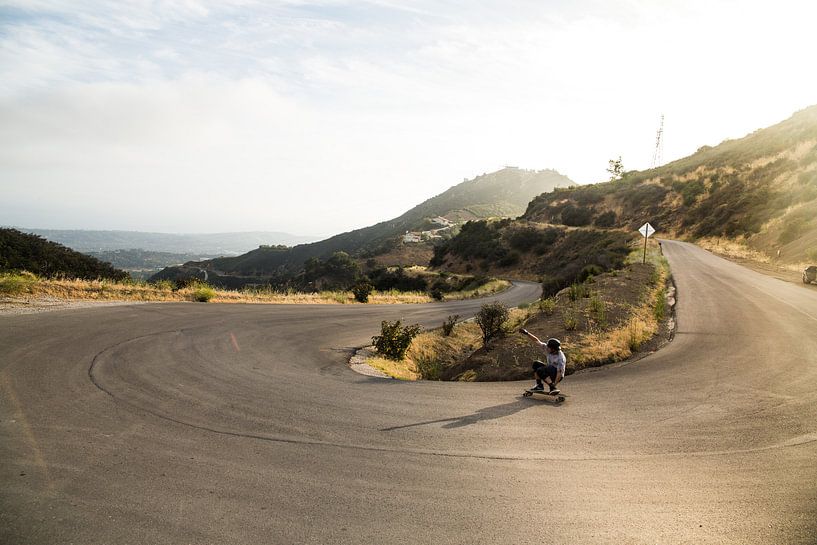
(554,371)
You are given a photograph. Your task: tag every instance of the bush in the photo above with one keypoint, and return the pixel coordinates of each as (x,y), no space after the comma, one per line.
(660,307)
(490,319)
(361,291)
(589,272)
(394,339)
(576,216)
(202,292)
(548,305)
(570,320)
(578,291)
(510,259)
(429,369)
(448,325)
(606,219)
(598,310)
(436,293)
(17,283)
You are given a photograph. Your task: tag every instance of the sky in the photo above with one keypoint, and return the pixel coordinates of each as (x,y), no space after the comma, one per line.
(315,118)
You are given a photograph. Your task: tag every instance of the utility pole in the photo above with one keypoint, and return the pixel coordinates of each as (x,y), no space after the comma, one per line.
(658,154)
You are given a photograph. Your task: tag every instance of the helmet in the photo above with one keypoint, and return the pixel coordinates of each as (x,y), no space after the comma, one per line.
(554,343)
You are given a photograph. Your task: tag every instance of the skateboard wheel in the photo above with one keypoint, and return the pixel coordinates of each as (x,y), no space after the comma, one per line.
(527,394)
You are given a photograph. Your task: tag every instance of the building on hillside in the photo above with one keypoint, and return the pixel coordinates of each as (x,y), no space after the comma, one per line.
(411,237)
(439,220)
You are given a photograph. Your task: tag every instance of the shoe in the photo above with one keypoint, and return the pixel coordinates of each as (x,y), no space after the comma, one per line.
(552,387)
(538,388)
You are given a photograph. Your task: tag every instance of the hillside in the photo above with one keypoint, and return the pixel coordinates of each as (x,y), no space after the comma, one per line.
(760,190)
(503,193)
(26,252)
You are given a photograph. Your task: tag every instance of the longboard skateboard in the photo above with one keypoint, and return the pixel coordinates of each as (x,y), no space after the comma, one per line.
(556,394)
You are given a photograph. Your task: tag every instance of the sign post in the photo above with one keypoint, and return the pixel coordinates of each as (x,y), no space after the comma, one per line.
(646,231)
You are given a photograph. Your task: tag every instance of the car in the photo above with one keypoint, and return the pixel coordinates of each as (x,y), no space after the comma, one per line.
(810,275)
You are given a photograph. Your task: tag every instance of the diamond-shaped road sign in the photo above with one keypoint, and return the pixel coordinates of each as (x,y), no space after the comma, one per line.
(646,230)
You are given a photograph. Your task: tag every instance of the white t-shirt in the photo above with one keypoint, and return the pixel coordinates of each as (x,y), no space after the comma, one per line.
(558,360)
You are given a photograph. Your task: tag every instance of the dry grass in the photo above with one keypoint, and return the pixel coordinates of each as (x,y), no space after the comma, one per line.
(488,288)
(618,343)
(429,351)
(738,251)
(402,370)
(732,249)
(28,285)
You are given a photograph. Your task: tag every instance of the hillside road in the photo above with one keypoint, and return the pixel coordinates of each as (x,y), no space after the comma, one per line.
(205,423)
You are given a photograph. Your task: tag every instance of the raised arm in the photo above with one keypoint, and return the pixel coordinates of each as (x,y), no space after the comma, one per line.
(524,331)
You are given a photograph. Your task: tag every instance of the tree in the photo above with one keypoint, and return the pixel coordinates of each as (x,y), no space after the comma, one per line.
(490,318)
(615,168)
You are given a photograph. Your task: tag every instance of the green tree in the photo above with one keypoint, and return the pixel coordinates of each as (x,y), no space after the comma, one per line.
(490,318)
(615,168)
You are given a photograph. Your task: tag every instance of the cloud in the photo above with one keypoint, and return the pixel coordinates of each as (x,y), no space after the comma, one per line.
(324,116)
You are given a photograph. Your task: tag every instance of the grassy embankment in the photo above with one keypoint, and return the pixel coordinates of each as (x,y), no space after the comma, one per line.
(601,321)
(737,250)
(30,286)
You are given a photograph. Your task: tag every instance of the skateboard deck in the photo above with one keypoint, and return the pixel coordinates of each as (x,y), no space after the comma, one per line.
(555,394)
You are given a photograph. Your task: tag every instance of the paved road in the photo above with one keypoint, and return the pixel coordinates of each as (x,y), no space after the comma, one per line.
(183,423)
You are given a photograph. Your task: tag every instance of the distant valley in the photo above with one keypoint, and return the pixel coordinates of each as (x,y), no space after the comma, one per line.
(213,244)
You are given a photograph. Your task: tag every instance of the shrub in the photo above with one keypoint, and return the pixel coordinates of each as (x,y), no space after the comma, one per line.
(16,283)
(597,309)
(448,325)
(576,216)
(490,318)
(660,307)
(578,291)
(394,339)
(548,305)
(570,320)
(361,291)
(589,272)
(436,293)
(202,292)
(428,368)
(606,219)
(509,259)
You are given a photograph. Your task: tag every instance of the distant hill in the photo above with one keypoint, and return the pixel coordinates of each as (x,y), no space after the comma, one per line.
(206,244)
(142,264)
(26,252)
(503,193)
(760,190)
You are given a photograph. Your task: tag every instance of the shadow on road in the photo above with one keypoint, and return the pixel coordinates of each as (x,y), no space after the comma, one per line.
(488,413)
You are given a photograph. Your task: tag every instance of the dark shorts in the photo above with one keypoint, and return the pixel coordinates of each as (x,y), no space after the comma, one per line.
(547,371)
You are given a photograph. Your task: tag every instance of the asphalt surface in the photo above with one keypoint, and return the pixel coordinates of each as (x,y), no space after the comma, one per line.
(194,423)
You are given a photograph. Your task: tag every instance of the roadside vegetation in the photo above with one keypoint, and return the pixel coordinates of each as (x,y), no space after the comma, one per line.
(28,285)
(603,319)
(23,251)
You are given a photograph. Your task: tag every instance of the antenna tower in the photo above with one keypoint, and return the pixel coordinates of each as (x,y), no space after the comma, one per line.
(658,154)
